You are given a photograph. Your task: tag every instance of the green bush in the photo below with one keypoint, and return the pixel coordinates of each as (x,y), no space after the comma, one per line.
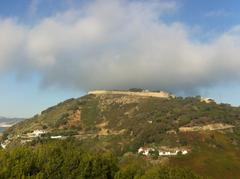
(58,160)
(67,159)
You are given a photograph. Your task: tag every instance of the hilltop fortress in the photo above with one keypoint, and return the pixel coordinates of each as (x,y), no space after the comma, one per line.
(144,93)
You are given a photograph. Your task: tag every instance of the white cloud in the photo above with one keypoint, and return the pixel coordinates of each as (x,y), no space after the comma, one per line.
(118,44)
(11,38)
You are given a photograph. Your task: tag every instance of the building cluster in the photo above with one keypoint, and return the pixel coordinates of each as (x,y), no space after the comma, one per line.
(36,133)
(162,151)
(24,138)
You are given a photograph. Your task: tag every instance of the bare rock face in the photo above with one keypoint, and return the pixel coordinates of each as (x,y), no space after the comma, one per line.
(210,127)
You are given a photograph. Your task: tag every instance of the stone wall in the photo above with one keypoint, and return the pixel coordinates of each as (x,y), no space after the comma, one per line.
(160,94)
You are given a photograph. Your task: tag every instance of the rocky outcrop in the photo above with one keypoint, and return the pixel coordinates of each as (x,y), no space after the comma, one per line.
(210,127)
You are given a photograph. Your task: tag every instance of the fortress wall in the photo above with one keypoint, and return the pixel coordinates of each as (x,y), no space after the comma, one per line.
(160,94)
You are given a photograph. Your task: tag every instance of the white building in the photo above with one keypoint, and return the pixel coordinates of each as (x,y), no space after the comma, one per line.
(145,151)
(169,153)
(165,152)
(56,137)
(5,143)
(36,133)
(184,152)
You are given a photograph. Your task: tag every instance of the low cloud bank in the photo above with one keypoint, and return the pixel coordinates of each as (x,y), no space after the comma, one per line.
(116,45)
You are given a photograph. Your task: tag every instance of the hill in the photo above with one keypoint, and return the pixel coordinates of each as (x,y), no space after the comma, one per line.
(8,122)
(158,123)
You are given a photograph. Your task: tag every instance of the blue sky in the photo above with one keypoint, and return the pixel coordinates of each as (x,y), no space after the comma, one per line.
(25,98)
(58,49)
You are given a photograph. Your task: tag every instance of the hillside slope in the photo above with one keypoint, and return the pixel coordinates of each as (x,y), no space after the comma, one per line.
(124,123)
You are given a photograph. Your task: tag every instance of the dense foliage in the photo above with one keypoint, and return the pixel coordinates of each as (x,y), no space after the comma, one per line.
(61,159)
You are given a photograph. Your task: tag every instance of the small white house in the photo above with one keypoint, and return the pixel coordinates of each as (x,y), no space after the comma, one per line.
(168,153)
(145,151)
(5,143)
(184,152)
(56,137)
(163,153)
(37,132)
